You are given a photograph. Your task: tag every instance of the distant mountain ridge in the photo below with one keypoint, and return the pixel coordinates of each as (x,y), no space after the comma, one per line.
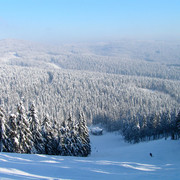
(140,58)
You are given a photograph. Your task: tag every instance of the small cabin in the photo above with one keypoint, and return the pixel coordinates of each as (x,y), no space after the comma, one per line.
(96,131)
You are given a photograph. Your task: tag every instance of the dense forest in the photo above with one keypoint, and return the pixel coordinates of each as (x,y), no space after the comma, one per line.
(23,132)
(115,102)
(113,85)
(156,59)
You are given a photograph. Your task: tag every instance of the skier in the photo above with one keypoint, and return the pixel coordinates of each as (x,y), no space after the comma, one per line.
(150,154)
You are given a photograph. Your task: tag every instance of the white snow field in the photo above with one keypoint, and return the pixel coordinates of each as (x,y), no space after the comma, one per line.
(111,159)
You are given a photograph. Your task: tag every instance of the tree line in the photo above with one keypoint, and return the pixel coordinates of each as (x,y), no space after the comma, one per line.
(156,126)
(23,132)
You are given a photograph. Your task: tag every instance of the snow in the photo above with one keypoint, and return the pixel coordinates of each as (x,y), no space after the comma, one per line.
(53,65)
(6,57)
(111,158)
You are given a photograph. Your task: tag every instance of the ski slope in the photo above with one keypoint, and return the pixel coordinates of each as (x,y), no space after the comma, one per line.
(111,158)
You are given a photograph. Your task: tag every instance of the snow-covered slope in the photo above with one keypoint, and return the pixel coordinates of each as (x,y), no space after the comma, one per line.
(111,158)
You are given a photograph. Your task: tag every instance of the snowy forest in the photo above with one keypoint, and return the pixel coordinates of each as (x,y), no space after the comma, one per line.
(130,87)
(23,132)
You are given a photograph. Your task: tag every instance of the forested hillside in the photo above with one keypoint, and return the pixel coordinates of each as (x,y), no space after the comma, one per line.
(139,58)
(115,84)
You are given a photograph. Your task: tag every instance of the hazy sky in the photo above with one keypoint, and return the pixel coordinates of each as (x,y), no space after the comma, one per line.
(81,20)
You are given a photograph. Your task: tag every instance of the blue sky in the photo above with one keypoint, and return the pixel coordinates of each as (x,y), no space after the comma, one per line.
(84,20)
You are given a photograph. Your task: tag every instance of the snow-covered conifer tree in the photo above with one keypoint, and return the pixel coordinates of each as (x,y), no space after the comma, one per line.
(143,132)
(12,136)
(156,125)
(56,137)
(23,131)
(2,131)
(68,138)
(62,146)
(136,131)
(69,145)
(47,134)
(78,141)
(178,123)
(84,135)
(74,146)
(35,129)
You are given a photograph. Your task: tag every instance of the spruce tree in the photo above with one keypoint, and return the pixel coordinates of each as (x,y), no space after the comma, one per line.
(47,134)
(136,131)
(173,126)
(143,132)
(70,143)
(35,129)
(3,137)
(178,124)
(75,145)
(168,124)
(23,131)
(84,135)
(165,124)
(56,137)
(12,136)
(68,139)
(62,146)
(78,141)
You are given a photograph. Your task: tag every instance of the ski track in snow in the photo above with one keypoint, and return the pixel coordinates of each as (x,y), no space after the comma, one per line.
(111,158)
